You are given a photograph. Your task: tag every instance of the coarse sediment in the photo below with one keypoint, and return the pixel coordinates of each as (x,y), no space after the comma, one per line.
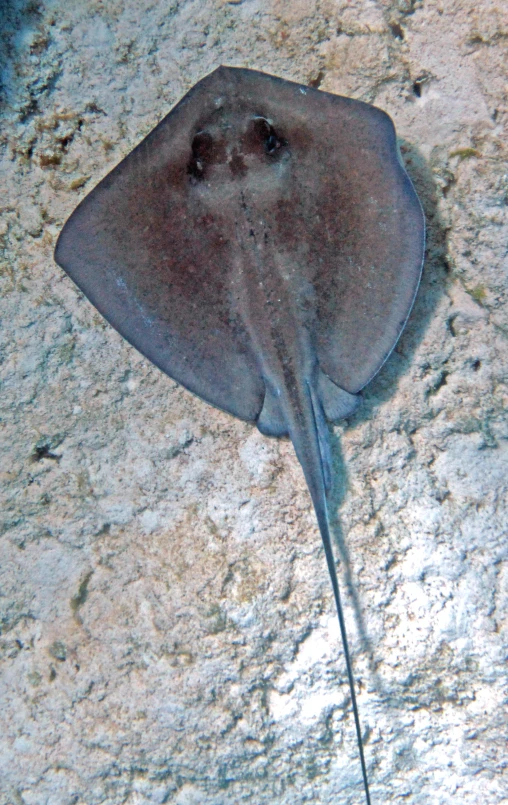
(168,630)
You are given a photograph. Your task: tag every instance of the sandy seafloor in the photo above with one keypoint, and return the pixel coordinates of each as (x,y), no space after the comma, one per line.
(168,630)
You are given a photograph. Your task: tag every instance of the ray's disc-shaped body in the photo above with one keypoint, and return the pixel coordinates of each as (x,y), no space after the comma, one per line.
(263,246)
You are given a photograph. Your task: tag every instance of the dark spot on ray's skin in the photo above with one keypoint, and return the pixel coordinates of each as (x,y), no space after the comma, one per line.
(263,247)
(206,150)
(207,220)
(202,153)
(261,135)
(237,165)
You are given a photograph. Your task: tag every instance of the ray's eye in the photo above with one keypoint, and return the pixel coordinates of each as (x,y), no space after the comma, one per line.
(272,142)
(202,151)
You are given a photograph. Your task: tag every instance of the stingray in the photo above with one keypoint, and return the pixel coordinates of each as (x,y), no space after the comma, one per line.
(262,246)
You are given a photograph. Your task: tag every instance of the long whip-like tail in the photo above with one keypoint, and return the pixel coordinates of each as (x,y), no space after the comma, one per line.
(306,440)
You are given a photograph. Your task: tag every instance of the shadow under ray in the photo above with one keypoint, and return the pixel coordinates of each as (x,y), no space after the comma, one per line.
(434,277)
(383,386)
